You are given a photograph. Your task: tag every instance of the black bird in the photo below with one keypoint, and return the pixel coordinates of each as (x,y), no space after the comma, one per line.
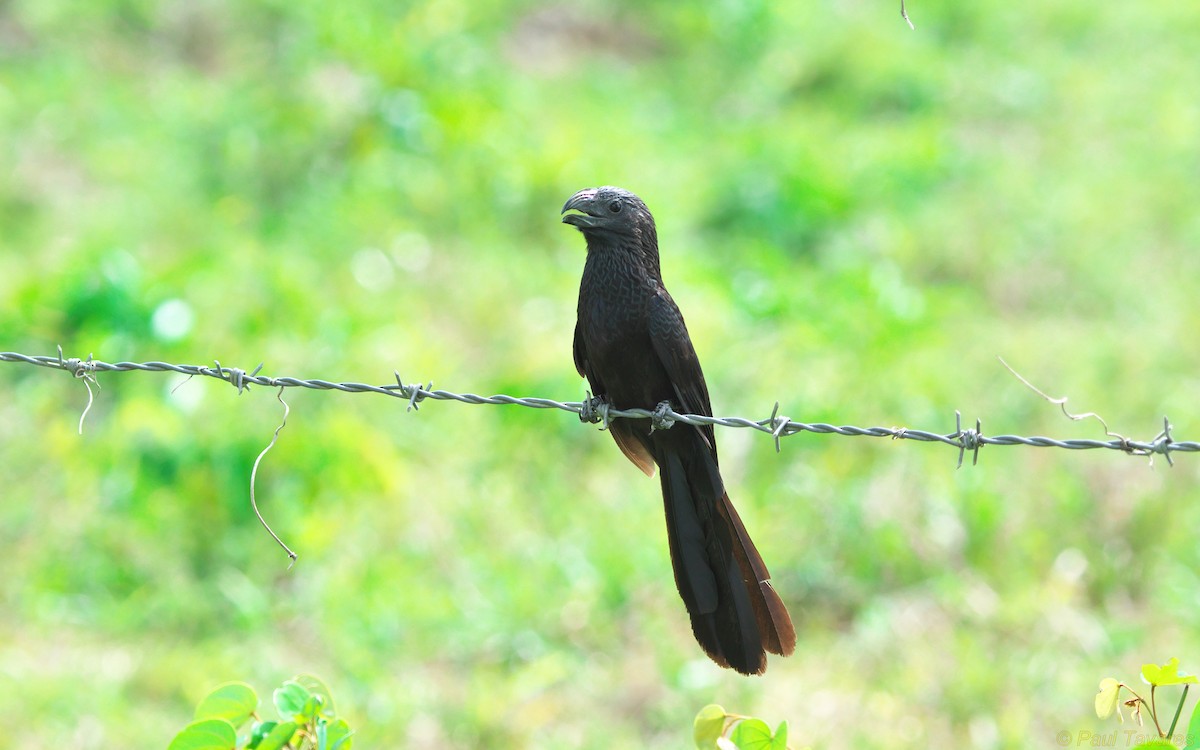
(633,347)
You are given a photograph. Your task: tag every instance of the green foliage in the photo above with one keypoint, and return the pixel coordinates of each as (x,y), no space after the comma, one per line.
(1108,700)
(1192,740)
(708,726)
(754,734)
(713,729)
(206,734)
(1167,674)
(233,702)
(855,218)
(307,720)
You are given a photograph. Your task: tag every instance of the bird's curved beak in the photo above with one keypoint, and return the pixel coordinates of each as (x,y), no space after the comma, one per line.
(583,201)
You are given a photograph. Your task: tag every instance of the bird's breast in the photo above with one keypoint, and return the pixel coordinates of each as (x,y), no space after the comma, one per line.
(612,302)
(614,323)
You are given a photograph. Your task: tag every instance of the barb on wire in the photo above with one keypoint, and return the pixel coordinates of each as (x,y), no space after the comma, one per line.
(84,370)
(598,410)
(1163,440)
(969,440)
(777,424)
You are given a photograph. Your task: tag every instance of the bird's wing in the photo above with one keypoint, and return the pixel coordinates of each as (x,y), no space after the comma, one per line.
(678,357)
(620,429)
(577,349)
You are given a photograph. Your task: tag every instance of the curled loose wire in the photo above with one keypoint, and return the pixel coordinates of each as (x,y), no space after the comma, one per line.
(254,473)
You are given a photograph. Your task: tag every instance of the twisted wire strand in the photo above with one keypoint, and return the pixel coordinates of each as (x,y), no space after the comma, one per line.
(778,426)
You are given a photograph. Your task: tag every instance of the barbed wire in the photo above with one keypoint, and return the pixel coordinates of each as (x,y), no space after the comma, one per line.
(595,410)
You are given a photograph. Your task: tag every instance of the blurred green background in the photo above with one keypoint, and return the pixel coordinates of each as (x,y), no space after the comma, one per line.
(856,219)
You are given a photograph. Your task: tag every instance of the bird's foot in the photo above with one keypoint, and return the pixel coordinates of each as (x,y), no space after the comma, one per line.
(661,419)
(594,409)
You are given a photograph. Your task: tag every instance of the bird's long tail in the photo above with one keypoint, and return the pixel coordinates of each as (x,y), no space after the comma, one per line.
(736,614)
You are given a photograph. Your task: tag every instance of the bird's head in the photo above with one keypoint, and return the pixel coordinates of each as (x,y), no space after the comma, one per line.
(609,211)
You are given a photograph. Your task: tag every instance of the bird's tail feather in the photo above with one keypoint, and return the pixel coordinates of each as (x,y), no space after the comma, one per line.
(721,577)
(774,622)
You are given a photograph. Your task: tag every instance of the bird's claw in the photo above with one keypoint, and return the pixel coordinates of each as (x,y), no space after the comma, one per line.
(594,409)
(661,419)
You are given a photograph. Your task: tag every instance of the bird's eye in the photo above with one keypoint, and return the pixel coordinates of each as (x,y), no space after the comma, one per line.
(615,207)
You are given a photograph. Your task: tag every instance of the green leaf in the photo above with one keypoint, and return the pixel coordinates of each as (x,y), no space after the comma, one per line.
(780,740)
(290,699)
(708,726)
(233,701)
(315,686)
(279,736)
(1193,730)
(261,729)
(312,707)
(339,735)
(752,734)
(209,734)
(1106,699)
(1167,674)
(1155,744)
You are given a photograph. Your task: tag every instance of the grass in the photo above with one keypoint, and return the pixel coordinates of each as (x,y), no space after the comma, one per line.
(856,220)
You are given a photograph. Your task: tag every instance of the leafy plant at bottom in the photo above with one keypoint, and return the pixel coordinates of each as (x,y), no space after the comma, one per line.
(714,729)
(1108,700)
(306,712)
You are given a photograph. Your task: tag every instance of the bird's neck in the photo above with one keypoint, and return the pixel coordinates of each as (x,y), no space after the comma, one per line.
(630,253)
